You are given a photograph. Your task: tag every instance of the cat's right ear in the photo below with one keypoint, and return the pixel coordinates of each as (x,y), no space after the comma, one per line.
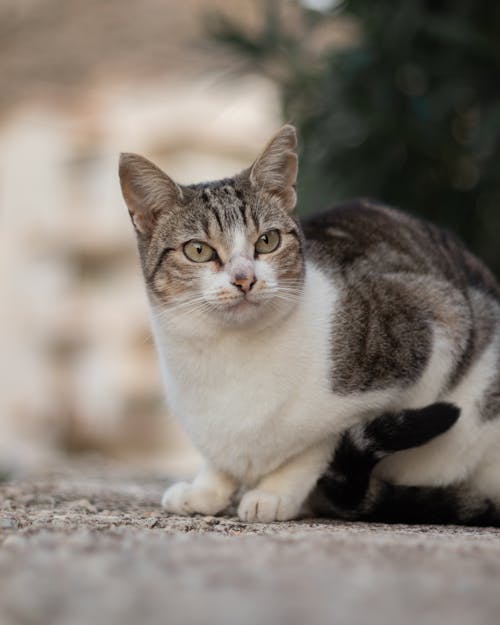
(275,171)
(147,191)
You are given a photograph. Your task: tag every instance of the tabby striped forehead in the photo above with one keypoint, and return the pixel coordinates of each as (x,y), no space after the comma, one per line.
(219,211)
(226,209)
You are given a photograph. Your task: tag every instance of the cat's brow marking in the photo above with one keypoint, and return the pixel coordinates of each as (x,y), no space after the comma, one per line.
(255,220)
(208,199)
(204,222)
(242,204)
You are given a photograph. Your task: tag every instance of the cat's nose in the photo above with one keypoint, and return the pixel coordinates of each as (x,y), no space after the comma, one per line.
(244,281)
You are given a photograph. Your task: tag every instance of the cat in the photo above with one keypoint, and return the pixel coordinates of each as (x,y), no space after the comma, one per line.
(278,338)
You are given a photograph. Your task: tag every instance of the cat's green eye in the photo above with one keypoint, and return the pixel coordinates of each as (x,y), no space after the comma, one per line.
(268,242)
(199,252)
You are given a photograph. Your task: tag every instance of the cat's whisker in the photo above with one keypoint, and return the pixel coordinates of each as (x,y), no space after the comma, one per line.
(282,298)
(186,307)
(281,289)
(292,284)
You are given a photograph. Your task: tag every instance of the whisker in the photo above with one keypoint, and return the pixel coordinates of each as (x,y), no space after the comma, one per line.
(186,307)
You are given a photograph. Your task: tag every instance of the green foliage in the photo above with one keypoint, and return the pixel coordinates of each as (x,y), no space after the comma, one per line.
(408,111)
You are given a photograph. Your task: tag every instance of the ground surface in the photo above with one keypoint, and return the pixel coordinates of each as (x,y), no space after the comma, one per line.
(91,546)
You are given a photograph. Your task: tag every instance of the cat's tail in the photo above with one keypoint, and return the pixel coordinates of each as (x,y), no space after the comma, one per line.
(454,505)
(348,491)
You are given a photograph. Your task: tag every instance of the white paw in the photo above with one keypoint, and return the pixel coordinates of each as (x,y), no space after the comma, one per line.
(185,499)
(258,506)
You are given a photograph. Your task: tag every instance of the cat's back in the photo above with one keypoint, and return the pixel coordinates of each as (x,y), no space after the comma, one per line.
(406,287)
(361,237)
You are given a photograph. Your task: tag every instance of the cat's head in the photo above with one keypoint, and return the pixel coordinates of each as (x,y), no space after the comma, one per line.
(228,252)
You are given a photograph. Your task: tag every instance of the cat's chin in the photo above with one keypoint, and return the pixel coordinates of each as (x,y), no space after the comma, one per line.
(250,312)
(239,311)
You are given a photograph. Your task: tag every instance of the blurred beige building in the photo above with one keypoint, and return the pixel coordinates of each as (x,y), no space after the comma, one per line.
(80,82)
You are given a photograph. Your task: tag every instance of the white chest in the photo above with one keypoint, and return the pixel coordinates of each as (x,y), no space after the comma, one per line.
(248,400)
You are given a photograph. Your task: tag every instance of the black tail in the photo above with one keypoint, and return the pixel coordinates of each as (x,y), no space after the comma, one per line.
(347,491)
(454,505)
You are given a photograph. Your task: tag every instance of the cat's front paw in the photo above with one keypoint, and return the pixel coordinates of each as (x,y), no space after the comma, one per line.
(185,499)
(258,506)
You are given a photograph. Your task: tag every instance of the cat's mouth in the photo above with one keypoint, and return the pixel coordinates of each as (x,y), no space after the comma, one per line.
(238,307)
(237,303)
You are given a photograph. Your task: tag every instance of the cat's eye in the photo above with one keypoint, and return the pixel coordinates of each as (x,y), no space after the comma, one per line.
(268,242)
(199,252)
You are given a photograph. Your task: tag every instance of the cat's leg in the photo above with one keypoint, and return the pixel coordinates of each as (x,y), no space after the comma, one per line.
(209,493)
(280,495)
(457,504)
(485,481)
(473,501)
(346,489)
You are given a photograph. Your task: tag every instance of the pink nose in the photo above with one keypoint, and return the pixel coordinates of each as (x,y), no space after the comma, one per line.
(244,281)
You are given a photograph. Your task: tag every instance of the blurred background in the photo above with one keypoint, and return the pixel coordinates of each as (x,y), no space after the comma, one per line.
(397,101)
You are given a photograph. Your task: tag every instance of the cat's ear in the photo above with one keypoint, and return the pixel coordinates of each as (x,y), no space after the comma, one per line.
(275,171)
(147,191)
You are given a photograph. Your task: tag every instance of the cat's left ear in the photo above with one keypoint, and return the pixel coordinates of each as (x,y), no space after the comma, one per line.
(275,171)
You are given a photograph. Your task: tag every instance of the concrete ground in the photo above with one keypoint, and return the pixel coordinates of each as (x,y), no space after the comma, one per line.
(90,545)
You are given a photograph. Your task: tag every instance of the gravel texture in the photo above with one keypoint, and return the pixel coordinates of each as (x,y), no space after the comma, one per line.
(90,545)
